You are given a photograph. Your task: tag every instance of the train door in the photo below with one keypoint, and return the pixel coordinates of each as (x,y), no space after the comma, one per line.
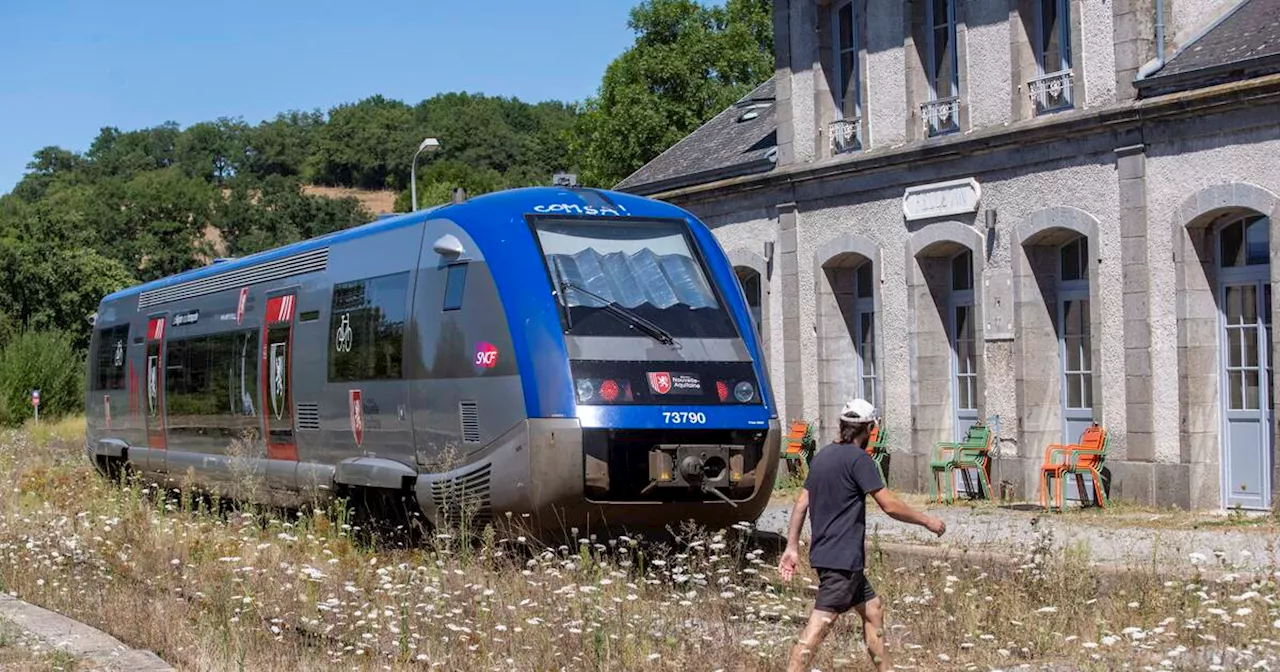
(277,390)
(153,411)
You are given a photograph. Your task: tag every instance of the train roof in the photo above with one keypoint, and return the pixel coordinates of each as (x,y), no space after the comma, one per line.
(523,200)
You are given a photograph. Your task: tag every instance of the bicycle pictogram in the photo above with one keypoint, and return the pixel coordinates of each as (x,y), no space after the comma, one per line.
(343,337)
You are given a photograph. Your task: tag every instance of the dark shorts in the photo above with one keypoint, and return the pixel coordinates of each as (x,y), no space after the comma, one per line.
(840,590)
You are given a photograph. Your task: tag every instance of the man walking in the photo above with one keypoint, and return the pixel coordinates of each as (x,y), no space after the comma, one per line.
(840,476)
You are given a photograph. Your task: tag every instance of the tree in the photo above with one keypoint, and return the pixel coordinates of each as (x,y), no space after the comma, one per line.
(48,287)
(163,215)
(282,146)
(441,177)
(368,145)
(125,154)
(213,151)
(256,216)
(46,166)
(688,63)
(43,360)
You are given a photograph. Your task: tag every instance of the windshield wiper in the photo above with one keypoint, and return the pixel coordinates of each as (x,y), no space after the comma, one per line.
(618,310)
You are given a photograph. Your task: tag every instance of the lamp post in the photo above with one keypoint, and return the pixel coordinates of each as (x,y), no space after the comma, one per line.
(429,145)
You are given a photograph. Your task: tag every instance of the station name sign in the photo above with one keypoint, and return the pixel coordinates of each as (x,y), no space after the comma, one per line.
(941,199)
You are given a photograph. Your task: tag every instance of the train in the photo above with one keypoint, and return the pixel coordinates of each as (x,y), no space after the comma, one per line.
(560,357)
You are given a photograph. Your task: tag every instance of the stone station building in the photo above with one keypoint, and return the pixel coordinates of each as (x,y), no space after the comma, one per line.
(1050,212)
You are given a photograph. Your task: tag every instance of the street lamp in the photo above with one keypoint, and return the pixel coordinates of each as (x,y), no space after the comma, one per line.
(429,145)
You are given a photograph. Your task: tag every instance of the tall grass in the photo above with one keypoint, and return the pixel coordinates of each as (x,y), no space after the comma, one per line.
(247,588)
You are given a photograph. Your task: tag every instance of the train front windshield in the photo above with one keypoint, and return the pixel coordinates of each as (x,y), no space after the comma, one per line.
(620,277)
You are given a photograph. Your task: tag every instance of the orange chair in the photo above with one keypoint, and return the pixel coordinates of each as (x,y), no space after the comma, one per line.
(793,446)
(1086,457)
(877,448)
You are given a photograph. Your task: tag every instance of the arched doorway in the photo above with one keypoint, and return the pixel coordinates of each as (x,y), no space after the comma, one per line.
(847,342)
(752,287)
(1242,245)
(944,266)
(1226,403)
(1056,352)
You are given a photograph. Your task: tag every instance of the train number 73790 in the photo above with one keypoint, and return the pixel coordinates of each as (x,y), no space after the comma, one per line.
(684,418)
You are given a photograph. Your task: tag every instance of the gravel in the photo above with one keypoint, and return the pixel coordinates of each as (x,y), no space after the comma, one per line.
(991,528)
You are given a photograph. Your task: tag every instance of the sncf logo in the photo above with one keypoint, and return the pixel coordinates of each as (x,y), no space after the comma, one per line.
(486,355)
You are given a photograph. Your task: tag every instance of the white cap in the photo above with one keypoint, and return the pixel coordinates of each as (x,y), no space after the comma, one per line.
(858,411)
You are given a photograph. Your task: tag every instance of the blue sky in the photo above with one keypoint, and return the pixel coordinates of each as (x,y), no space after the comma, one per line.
(70,67)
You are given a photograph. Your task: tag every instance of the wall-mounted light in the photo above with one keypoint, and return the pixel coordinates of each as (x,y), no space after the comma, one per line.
(768,251)
(991,219)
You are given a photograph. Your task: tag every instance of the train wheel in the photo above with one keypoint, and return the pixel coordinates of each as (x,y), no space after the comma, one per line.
(111,468)
(385,517)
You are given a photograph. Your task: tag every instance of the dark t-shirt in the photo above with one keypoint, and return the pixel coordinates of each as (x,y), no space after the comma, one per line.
(840,476)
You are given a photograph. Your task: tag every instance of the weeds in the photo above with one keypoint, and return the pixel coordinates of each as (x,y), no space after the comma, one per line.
(251,588)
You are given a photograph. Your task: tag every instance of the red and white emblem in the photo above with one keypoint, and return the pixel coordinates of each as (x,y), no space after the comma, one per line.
(280,308)
(486,355)
(660,382)
(357,416)
(244,297)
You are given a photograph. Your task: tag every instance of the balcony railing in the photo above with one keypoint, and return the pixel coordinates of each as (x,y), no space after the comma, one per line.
(1051,93)
(846,135)
(941,116)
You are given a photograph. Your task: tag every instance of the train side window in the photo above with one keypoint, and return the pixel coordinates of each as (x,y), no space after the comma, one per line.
(455,285)
(210,384)
(109,368)
(366,328)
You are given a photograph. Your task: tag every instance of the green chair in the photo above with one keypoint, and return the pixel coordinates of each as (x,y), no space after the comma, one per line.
(973,452)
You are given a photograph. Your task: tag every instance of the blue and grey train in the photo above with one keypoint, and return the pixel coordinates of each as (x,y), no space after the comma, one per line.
(562,357)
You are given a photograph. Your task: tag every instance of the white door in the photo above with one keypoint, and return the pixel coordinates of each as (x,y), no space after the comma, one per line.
(1246,371)
(1244,295)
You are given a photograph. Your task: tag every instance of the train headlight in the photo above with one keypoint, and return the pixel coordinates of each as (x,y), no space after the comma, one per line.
(744,391)
(586,390)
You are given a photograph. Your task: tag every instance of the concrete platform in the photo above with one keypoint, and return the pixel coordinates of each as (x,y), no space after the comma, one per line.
(100,650)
